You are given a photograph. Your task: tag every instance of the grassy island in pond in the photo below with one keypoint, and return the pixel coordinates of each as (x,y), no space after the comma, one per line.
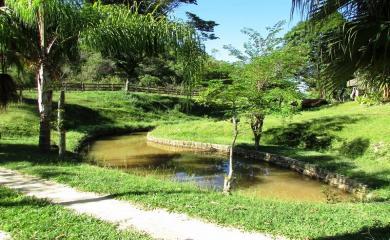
(99,112)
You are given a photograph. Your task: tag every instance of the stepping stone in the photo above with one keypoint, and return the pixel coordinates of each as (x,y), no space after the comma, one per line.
(5,236)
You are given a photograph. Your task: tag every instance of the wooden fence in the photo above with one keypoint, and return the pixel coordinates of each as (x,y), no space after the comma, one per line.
(118,87)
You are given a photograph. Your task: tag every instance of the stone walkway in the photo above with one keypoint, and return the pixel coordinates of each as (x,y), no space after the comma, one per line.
(4,236)
(158,223)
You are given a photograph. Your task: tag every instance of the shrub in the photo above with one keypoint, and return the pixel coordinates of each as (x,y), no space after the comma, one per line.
(149,81)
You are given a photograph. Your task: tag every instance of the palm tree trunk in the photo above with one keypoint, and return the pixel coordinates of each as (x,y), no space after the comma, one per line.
(228,179)
(44,89)
(45,108)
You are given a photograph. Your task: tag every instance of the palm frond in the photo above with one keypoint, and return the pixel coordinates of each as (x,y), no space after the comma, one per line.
(362,44)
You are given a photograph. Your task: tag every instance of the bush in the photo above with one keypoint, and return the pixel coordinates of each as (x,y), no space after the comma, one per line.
(370,99)
(149,81)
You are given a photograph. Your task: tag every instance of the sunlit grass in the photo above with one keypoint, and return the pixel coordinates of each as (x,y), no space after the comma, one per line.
(29,218)
(96,112)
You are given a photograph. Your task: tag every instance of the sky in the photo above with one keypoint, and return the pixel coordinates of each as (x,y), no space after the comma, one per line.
(234,15)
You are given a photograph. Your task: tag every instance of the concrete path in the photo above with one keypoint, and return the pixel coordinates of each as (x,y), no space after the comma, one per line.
(5,236)
(159,224)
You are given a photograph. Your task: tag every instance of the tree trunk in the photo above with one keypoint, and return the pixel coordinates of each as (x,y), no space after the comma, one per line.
(21,94)
(386,93)
(44,89)
(257,122)
(127,85)
(45,109)
(61,127)
(228,179)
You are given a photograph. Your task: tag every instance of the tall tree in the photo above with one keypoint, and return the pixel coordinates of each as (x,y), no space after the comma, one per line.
(361,44)
(158,7)
(7,58)
(47,32)
(258,45)
(271,86)
(128,62)
(309,37)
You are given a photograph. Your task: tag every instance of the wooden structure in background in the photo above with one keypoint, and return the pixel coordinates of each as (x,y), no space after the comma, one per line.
(121,87)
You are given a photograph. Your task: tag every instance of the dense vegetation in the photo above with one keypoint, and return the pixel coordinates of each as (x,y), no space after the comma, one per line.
(102,112)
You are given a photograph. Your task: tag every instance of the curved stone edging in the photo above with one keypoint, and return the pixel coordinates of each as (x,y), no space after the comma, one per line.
(311,170)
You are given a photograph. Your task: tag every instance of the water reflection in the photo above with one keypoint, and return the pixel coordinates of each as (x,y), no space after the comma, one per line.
(258,179)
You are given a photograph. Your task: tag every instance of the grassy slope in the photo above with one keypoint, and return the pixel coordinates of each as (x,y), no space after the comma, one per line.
(348,138)
(98,111)
(28,218)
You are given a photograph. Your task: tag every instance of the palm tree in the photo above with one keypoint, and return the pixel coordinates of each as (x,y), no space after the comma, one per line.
(362,44)
(48,32)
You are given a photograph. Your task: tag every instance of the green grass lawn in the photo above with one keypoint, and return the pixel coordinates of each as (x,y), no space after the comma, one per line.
(29,218)
(97,112)
(348,138)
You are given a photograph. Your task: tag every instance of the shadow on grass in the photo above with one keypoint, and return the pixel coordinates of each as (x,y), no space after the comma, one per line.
(157,103)
(316,134)
(119,195)
(375,233)
(76,115)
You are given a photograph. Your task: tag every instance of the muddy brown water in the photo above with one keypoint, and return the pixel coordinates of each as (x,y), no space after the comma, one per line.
(253,178)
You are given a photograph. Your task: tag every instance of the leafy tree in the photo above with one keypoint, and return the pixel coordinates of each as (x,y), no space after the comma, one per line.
(7,58)
(132,63)
(271,86)
(257,45)
(234,98)
(216,69)
(361,44)
(159,71)
(49,32)
(265,86)
(91,67)
(206,28)
(158,7)
(309,37)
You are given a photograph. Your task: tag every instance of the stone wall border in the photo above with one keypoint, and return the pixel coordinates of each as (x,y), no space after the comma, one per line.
(311,170)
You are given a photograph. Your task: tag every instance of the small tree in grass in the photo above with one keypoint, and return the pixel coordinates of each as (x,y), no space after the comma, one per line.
(233,96)
(271,86)
(265,86)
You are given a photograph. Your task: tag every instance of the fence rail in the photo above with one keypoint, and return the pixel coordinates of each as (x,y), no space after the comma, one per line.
(129,87)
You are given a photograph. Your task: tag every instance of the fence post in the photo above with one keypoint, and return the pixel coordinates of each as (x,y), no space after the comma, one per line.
(60,126)
(127,85)
(82,86)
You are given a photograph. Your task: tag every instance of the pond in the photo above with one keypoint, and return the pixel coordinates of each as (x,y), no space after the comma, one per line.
(252,178)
